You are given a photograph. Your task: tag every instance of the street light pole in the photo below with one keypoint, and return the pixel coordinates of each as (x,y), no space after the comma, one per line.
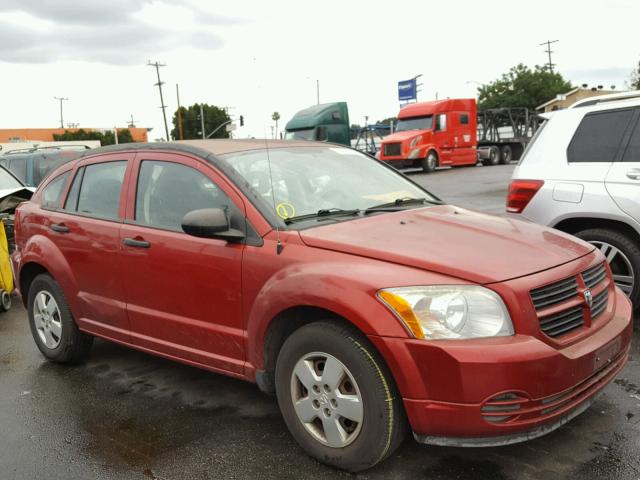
(61,99)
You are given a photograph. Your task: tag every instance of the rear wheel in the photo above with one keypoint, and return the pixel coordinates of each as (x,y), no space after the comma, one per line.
(337,398)
(494,157)
(430,162)
(623,256)
(506,155)
(52,325)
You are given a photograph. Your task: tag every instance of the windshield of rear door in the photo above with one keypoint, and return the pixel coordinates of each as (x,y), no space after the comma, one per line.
(304,180)
(415,123)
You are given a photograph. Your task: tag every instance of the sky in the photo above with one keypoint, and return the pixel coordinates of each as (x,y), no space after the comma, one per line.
(257,57)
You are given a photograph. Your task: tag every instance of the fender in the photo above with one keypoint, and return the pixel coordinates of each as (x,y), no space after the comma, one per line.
(345,289)
(42,251)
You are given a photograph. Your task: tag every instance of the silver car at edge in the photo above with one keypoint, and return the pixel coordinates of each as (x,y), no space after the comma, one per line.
(581,174)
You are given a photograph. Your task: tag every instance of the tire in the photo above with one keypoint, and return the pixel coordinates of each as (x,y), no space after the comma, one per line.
(494,157)
(361,444)
(506,155)
(55,333)
(5,300)
(624,256)
(430,162)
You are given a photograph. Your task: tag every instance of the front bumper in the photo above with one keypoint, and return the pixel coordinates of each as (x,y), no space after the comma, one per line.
(504,390)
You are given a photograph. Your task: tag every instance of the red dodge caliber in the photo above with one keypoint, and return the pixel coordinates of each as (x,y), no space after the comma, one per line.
(368,306)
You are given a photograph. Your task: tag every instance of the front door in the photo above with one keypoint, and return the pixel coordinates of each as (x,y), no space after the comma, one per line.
(183,292)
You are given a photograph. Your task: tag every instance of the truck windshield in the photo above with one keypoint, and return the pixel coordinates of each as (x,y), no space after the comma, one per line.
(415,123)
(304,134)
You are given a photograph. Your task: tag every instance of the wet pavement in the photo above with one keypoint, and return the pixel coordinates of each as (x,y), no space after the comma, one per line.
(128,415)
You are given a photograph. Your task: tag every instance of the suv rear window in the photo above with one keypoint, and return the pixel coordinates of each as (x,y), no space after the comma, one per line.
(598,136)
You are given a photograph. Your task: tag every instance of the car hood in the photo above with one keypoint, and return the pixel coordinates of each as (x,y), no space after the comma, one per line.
(452,241)
(402,136)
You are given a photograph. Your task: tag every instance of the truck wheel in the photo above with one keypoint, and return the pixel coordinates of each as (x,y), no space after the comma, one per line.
(52,325)
(623,256)
(430,162)
(337,397)
(505,155)
(494,157)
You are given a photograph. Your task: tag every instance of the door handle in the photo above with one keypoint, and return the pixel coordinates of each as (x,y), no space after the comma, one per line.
(133,242)
(59,227)
(634,174)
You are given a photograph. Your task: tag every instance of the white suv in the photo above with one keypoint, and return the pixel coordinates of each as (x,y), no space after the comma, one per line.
(581,174)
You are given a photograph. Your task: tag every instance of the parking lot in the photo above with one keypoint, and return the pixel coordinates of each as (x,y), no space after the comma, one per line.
(128,415)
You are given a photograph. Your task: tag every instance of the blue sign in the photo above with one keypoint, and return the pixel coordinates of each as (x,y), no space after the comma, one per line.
(407,89)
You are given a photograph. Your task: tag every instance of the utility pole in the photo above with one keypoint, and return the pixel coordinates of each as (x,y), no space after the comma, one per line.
(157,65)
(131,122)
(549,52)
(61,99)
(179,113)
(202,122)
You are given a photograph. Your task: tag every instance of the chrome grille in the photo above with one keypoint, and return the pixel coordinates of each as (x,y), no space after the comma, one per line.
(392,149)
(594,275)
(555,293)
(599,303)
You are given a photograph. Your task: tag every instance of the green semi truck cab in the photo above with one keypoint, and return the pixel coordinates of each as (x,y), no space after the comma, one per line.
(325,122)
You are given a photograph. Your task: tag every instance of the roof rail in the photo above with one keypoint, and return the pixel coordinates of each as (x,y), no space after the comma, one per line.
(612,97)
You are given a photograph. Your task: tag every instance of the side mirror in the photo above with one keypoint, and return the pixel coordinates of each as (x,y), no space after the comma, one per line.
(210,223)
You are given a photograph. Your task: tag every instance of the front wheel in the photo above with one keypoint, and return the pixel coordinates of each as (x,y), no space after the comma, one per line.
(337,398)
(429,163)
(623,256)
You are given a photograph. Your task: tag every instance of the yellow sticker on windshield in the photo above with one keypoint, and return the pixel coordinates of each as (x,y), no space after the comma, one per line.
(285,210)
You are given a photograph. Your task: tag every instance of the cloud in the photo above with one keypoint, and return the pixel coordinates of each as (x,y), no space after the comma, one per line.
(595,76)
(109,32)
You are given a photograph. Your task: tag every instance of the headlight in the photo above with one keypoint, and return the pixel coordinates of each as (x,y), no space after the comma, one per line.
(449,312)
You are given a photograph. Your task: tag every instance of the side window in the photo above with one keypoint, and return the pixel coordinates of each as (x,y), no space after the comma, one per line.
(598,136)
(167,191)
(71,203)
(632,153)
(441,122)
(52,192)
(464,119)
(99,193)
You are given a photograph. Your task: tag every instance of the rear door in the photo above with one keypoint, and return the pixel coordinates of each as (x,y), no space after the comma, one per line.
(623,179)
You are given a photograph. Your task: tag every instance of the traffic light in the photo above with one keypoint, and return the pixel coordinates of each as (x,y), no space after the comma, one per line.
(241,121)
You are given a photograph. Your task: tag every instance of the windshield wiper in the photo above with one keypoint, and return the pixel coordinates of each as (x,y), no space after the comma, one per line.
(398,203)
(325,212)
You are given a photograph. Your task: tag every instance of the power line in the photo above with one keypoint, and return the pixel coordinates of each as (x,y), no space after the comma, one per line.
(549,52)
(157,65)
(61,99)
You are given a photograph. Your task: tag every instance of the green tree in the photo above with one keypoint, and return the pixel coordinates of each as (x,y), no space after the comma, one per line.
(191,126)
(106,137)
(522,87)
(635,78)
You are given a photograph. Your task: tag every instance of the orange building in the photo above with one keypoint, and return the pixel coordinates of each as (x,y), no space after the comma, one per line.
(8,135)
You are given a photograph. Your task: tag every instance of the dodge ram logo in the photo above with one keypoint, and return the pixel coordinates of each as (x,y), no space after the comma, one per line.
(588,297)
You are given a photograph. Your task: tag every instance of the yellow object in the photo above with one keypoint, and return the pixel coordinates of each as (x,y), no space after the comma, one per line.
(285,210)
(6,275)
(402,308)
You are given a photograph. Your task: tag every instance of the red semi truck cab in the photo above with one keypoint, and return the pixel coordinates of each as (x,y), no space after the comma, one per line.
(432,134)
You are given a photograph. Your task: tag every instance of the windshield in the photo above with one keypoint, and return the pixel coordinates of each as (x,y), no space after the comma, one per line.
(309,179)
(305,134)
(415,123)
(8,181)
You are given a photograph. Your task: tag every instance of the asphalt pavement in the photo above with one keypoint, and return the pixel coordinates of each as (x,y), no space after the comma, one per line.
(128,415)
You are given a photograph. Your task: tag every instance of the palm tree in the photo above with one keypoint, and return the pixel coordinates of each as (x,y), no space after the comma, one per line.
(275,117)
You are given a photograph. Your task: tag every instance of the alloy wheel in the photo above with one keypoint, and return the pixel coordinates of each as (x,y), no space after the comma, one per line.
(326,399)
(47,319)
(621,267)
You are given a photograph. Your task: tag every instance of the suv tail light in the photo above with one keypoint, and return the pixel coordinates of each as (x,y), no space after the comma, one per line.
(520,194)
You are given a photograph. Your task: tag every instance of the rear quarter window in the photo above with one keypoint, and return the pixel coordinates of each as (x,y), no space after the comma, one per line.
(598,137)
(53,191)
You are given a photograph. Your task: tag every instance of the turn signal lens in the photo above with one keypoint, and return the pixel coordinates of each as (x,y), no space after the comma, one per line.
(401,307)
(520,194)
